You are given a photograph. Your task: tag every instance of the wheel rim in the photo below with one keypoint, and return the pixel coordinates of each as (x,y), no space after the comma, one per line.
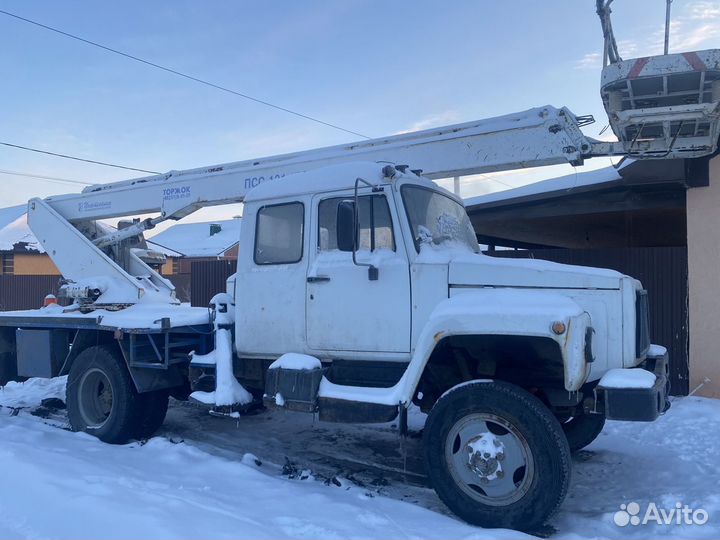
(489,459)
(96,398)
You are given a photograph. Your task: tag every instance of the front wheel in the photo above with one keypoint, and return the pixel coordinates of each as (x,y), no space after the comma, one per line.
(496,456)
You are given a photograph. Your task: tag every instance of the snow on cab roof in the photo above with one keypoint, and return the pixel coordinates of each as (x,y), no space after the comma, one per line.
(320,180)
(560,184)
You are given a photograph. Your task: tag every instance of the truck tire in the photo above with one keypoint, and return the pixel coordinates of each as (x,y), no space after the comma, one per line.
(101,398)
(582,430)
(8,360)
(153,408)
(8,368)
(496,456)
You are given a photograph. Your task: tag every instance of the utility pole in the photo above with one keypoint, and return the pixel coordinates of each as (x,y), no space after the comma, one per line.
(667,25)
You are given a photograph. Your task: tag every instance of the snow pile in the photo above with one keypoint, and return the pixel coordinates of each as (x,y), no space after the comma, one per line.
(672,460)
(59,484)
(627,378)
(31,392)
(656,351)
(224,482)
(296,361)
(228,391)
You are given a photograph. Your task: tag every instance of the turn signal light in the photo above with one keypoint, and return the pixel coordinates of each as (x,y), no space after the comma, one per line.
(559,327)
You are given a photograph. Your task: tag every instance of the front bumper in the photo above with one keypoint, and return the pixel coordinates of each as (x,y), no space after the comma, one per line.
(637,404)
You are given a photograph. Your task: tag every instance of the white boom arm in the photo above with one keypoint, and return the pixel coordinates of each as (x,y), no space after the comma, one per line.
(542,136)
(66,227)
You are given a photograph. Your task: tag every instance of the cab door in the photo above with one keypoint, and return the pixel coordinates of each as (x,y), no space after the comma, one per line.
(346,310)
(270,280)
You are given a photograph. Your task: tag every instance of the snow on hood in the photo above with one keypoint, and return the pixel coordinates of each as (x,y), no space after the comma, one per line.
(468,268)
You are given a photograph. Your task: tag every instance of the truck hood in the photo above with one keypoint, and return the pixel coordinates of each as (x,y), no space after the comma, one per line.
(482,270)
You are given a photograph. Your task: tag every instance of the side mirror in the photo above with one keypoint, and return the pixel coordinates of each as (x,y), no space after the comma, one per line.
(346,226)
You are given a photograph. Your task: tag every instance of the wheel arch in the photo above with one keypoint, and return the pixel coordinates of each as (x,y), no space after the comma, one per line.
(144,379)
(83,340)
(525,324)
(524,360)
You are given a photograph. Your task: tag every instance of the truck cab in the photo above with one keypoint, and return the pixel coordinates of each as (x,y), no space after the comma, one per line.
(360,264)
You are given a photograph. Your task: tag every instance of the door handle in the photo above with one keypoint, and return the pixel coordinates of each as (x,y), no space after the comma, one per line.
(318,279)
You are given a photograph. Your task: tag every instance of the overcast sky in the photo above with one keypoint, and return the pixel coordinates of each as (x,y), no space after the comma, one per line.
(375,67)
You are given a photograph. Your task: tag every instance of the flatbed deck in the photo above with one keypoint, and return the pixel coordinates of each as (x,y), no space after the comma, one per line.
(137,319)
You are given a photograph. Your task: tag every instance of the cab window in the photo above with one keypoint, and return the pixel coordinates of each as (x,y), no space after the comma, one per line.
(375,229)
(279,233)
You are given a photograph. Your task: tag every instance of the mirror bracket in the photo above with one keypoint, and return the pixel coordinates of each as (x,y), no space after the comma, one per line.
(373,271)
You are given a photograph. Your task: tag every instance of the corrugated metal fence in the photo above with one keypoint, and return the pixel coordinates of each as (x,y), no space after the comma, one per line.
(207,278)
(26,292)
(663,272)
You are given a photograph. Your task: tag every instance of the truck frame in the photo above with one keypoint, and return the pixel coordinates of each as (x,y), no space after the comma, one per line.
(360,291)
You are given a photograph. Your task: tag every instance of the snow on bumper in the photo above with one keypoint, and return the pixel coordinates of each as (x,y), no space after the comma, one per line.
(636,394)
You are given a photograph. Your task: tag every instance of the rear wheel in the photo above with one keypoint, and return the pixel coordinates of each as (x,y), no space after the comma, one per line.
(8,360)
(582,430)
(496,456)
(101,397)
(8,368)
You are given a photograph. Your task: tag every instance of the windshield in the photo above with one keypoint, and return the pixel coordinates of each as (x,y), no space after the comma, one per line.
(437,219)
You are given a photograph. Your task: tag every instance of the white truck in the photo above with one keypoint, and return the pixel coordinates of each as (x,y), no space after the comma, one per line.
(360,291)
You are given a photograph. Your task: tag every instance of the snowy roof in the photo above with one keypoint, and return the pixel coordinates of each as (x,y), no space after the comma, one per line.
(195,240)
(562,184)
(15,230)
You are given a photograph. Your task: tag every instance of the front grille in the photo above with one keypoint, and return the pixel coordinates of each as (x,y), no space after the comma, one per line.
(642,325)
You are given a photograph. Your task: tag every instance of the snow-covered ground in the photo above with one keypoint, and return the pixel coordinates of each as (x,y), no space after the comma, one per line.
(201,478)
